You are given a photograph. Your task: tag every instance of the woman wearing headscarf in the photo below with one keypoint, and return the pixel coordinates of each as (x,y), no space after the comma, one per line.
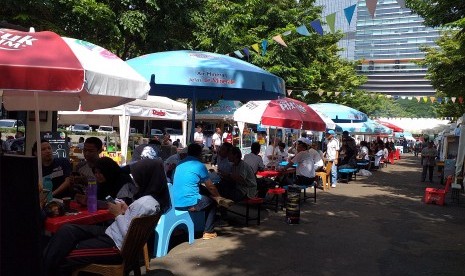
(77,245)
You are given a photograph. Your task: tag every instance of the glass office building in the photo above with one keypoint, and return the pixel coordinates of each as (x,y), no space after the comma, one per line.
(389,44)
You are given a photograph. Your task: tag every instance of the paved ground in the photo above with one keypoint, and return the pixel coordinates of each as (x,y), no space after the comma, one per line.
(376,225)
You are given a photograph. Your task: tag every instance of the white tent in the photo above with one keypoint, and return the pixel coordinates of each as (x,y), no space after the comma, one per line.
(415,125)
(461,150)
(153,108)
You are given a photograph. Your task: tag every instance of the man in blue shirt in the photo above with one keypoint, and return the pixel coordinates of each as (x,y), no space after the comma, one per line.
(189,194)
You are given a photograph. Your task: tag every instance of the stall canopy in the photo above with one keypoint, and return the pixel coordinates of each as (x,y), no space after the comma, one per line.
(405,135)
(154,108)
(369,127)
(392,126)
(223,110)
(340,113)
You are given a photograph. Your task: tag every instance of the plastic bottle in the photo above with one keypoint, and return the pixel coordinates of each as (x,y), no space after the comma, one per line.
(48,187)
(91,195)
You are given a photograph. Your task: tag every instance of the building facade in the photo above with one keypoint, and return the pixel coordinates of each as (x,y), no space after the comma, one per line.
(388,45)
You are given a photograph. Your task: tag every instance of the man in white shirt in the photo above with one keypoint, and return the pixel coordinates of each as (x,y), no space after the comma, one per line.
(198,136)
(254,160)
(332,154)
(217,141)
(305,170)
(271,153)
(317,157)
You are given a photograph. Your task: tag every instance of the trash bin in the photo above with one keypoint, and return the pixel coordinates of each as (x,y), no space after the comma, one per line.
(293,204)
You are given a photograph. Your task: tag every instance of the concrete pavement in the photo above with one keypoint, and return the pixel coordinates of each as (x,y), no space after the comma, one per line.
(376,225)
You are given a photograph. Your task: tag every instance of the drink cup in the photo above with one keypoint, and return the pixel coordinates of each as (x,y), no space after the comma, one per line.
(66,203)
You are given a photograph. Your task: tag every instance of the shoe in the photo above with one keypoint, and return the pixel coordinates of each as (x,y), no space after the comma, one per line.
(224,202)
(209,236)
(333,185)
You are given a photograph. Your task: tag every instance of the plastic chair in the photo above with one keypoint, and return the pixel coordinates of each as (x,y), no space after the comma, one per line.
(437,196)
(139,232)
(172,219)
(325,176)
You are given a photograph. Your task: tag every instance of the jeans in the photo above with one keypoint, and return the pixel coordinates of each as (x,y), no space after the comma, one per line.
(334,174)
(205,203)
(423,173)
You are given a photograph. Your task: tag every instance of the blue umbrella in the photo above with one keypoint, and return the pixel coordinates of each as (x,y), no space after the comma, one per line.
(369,127)
(340,113)
(223,110)
(206,76)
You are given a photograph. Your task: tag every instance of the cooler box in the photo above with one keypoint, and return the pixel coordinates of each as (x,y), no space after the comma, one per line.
(434,196)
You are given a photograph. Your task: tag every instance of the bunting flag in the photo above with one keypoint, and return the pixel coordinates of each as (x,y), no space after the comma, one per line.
(410,98)
(305,93)
(321,93)
(439,100)
(403,97)
(425,99)
(373,96)
(388,96)
(264,46)
(371,6)
(246,52)
(316,25)
(337,93)
(329,93)
(418,98)
(461,100)
(453,99)
(286,33)
(302,29)
(238,54)
(331,21)
(349,12)
(432,99)
(289,92)
(446,99)
(279,40)
(401,3)
(255,47)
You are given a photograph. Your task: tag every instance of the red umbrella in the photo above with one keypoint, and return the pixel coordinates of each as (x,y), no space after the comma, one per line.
(286,112)
(391,126)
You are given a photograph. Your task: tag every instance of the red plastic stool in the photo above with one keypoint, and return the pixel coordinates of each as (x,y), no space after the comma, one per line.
(276,192)
(255,201)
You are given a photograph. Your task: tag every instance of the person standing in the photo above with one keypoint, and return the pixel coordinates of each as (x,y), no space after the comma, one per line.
(198,136)
(428,161)
(332,154)
(217,141)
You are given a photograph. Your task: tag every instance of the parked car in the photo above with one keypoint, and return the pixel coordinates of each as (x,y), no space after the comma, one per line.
(81,128)
(172,131)
(11,123)
(155,132)
(105,129)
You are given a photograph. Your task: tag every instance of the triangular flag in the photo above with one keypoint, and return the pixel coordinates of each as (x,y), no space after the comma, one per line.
(329,93)
(264,46)
(286,33)
(425,99)
(418,98)
(410,98)
(238,54)
(321,93)
(403,97)
(289,91)
(371,6)
(255,47)
(337,93)
(246,52)
(349,12)
(401,3)
(302,29)
(279,40)
(316,25)
(432,99)
(305,93)
(439,100)
(453,99)
(446,99)
(461,100)
(331,20)
(373,96)
(388,96)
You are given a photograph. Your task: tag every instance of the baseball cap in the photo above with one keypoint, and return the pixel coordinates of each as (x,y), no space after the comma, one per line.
(330,132)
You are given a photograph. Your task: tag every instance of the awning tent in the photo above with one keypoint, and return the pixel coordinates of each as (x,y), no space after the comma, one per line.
(153,108)
(369,127)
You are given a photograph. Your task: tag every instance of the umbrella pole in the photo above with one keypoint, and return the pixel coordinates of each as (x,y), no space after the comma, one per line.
(39,146)
(194,104)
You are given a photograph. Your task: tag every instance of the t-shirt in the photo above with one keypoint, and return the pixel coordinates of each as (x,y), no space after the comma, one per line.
(305,165)
(198,137)
(332,148)
(249,186)
(317,159)
(217,141)
(270,150)
(255,161)
(189,174)
(223,164)
(58,171)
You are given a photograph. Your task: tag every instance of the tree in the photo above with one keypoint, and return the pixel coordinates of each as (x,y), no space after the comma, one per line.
(309,62)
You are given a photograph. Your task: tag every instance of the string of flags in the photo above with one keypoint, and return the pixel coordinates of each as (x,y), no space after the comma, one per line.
(420,99)
(316,26)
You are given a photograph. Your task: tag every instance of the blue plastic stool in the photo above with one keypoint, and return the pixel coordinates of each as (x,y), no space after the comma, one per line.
(347,172)
(304,189)
(172,219)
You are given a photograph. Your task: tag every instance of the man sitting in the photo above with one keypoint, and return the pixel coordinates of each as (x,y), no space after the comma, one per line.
(241,182)
(254,160)
(305,170)
(190,195)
